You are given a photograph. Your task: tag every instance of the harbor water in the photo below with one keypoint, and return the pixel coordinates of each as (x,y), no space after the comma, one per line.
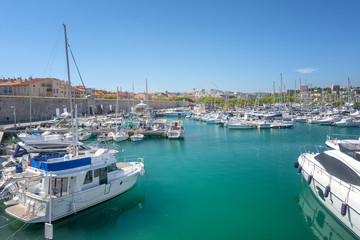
(214,184)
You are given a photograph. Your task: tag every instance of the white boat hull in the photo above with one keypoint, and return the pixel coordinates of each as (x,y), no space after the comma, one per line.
(241,126)
(70,204)
(175,134)
(137,137)
(347,124)
(336,197)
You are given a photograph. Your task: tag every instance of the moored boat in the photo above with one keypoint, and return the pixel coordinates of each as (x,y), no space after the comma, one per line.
(137,137)
(104,137)
(334,178)
(176,129)
(119,136)
(62,185)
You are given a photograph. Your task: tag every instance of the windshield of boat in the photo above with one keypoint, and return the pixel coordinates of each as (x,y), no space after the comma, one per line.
(338,169)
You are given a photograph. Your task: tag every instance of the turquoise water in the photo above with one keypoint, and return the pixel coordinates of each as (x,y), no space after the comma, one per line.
(214,184)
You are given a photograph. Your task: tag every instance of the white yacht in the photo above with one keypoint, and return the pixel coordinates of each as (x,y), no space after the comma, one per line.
(214,119)
(137,137)
(175,113)
(63,184)
(263,124)
(104,137)
(347,122)
(36,137)
(119,136)
(176,129)
(334,141)
(334,178)
(84,135)
(239,124)
(329,120)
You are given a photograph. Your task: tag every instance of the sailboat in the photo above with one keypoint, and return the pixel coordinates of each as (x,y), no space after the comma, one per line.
(62,183)
(120,134)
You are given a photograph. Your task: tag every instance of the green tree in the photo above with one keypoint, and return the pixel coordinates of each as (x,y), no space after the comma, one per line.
(108,96)
(338,103)
(356,104)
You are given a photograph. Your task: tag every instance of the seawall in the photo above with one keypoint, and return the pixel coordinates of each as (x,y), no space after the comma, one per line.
(45,108)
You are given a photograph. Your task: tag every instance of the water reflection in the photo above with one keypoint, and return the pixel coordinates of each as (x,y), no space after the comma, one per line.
(317,217)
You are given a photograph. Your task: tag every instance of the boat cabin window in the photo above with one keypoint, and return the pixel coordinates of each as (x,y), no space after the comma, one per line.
(112,167)
(88,177)
(338,169)
(59,186)
(96,173)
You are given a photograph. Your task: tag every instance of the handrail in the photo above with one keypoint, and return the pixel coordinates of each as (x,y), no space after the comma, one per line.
(312,149)
(342,136)
(130,158)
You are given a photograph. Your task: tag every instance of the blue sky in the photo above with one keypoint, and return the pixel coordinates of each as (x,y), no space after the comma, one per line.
(183,44)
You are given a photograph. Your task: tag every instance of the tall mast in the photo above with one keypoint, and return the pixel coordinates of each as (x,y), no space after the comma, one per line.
(146,88)
(70,96)
(30,101)
(300,94)
(117,102)
(348,90)
(281,90)
(274,96)
(295,94)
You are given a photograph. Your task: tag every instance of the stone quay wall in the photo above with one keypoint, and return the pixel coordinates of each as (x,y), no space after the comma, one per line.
(45,108)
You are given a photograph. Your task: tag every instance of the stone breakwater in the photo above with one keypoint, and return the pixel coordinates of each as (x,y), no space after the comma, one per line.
(45,108)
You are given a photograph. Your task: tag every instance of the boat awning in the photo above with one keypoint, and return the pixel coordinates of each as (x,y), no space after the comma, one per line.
(338,169)
(59,166)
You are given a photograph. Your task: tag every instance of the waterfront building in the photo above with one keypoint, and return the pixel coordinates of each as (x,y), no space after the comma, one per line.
(335,89)
(78,92)
(142,96)
(40,87)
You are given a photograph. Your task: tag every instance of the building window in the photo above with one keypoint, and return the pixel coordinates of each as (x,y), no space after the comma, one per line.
(24,89)
(5,89)
(34,90)
(10,89)
(18,91)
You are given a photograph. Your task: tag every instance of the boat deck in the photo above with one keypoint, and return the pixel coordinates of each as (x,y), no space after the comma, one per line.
(123,164)
(18,211)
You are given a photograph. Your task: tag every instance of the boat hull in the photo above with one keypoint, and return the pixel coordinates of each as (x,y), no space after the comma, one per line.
(70,204)
(336,197)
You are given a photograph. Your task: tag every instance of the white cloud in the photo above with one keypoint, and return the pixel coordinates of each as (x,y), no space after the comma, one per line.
(306,70)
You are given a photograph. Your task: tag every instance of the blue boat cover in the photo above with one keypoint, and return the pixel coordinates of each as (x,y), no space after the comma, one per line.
(58,166)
